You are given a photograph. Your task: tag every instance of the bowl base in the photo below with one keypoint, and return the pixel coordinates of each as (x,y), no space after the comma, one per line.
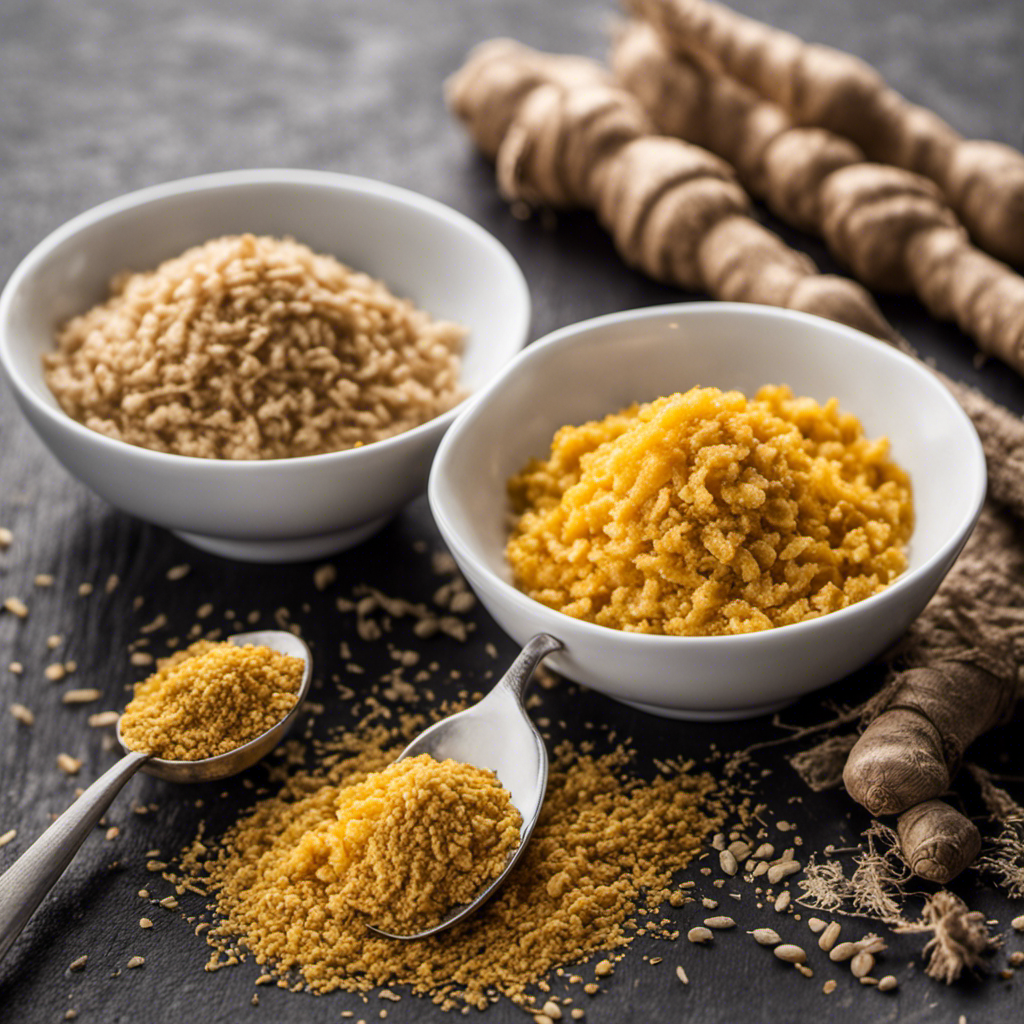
(298,549)
(685,714)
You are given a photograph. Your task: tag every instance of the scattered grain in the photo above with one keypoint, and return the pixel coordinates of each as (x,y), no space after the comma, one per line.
(83,696)
(103,718)
(681,975)
(55,672)
(79,963)
(136,961)
(777,872)
(862,964)
(22,714)
(816,924)
(1018,923)
(766,936)
(16,606)
(84,589)
(888,983)
(830,936)
(178,572)
(68,764)
(727,862)
(16,667)
(829,987)
(6,538)
(844,951)
(790,954)
(700,934)
(8,836)
(782,902)
(141,658)
(324,576)
(112,833)
(719,922)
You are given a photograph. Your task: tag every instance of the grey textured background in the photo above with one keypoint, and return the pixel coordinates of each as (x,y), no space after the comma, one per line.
(99,98)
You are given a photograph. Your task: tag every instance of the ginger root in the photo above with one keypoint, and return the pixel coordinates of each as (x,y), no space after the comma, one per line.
(937,841)
(562,135)
(820,86)
(892,227)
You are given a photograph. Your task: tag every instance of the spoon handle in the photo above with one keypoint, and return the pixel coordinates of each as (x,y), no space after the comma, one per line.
(24,884)
(520,672)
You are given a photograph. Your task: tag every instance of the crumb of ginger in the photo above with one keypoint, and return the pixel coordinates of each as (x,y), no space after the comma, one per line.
(703,514)
(209,699)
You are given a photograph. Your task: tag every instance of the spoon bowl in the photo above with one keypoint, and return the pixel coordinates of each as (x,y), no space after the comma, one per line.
(210,769)
(496,733)
(24,885)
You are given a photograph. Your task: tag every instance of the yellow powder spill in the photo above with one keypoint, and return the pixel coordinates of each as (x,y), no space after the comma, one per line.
(605,849)
(209,699)
(406,846)
(704,513)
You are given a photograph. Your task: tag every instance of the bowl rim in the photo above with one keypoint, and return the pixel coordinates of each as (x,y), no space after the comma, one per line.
(213,182)
(573,333)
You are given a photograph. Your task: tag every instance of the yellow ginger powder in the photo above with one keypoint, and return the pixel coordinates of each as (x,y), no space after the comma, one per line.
(209,699)
(409,843)
(295,882)
(702,514)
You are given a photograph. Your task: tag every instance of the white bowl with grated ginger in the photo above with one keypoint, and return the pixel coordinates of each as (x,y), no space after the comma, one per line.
(281,509)
(588,370)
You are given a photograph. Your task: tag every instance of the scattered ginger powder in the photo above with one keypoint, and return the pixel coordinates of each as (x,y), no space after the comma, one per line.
(253,347)
(209,699)
(703,514)
(295,882)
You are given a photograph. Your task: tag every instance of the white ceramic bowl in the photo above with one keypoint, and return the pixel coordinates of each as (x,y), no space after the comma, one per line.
(285,509)
(593,368)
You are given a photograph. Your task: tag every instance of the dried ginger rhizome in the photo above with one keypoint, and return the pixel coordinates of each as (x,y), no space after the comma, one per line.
(296,882)
(703,514)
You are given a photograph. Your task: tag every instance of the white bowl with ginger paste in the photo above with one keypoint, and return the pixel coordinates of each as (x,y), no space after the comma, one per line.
(572,494)
(262,361)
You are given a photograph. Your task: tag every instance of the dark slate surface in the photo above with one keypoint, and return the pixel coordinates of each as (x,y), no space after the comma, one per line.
(103,97)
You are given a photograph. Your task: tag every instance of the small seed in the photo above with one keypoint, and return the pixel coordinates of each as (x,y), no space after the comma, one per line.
(542,1018)
(719,922)
(179,572)
(1014,959)
(552,1010)
(718,842)
(739,849)
(603,968)
(85,696)
(870,943)
(22,714)
(777,872)
(6,538)
(830,936)
(84,589)
(806,971)
(708,904)
(790,954)
(79,964)
(829,987)
(1018,923)
(16,667)
(764,852)
(141,658)
(136,961)
(782,902)
(54,641)
(112,581)
(727,862)
(766,936)
(888,983)
(760,868)
(55,672)
(816,924)
(699,934)
(16,606)
(169,902)
(868,980)
(8,836)
(144,922)
(112,833)
(103,718)
(591,988)
(68,764)
(844,951)
(43,579)
(576,1013)
(681,975)
(156,865)
(862,964)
